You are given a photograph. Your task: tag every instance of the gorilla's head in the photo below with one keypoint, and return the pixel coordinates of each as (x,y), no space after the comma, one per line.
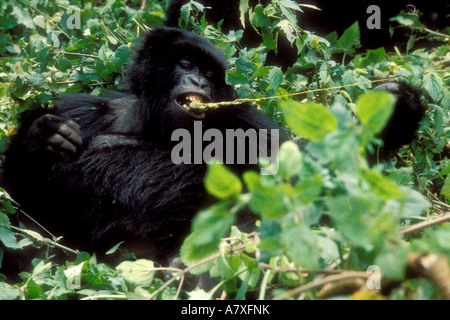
(171,69)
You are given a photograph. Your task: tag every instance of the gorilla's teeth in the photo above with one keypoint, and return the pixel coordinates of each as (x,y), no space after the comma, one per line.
(194,98)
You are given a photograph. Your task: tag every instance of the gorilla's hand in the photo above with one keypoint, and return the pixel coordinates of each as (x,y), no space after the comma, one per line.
(54,134)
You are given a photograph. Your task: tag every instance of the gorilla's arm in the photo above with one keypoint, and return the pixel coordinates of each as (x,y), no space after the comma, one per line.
(48,136)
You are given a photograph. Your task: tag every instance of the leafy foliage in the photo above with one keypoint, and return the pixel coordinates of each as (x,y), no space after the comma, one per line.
(323,209)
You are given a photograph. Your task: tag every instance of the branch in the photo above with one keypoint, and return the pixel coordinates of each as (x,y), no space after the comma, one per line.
(425,224)
(320,282)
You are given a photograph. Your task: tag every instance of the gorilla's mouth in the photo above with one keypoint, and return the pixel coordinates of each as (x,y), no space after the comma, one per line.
(185,99)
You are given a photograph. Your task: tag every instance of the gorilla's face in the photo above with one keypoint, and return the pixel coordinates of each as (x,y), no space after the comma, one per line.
(192,85)
(172,69)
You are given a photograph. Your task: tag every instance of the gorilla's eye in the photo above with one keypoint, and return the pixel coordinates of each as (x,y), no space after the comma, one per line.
(209,74)
(185,64)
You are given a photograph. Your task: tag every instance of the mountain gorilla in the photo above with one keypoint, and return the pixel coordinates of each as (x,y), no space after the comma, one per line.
(99,170)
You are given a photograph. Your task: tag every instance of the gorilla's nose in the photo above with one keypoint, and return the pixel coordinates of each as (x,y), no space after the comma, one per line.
(197,82)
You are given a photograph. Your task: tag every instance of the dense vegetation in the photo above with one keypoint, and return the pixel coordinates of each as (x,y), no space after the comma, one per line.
(328,222)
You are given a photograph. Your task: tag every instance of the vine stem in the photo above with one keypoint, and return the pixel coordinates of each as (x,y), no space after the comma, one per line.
(320,282)
(215,105)
(425,224)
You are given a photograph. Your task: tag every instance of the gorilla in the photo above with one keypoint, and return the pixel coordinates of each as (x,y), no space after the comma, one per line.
(100,170)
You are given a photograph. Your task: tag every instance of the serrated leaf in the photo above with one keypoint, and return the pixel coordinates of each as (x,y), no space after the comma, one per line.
(139,272)
(34,234)
(243,7)
(433,84)
(275,78)
(392,261)
(290,160)
(23,17)
(445,191)
(414,205)
(288,14)
(114,248)
(381,186)
(438,119)
(208,227)
(8,238)
(312,121)
(199,294)
(301,246)
(122,52)
(211,224)
(221,182)
(288,30)
(7,292)
(267,199)
(349,221)
(350,39)
(374,110)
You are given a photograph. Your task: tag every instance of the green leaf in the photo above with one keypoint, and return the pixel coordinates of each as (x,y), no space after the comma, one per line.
(139,272)
(301,246)
(288,30)
(243,7)
(7,292)
(122,52)
(114,248)
(32,289)
(208,228)
(308,189)
(221,182)
(445,191)
(381,186)
(433,83)
(244,66)
(23,17)
(349,220)
(312,121)
(392,261)
(189,255)
(350,39)
(267,198)
(8,238)
(275,78)
(290,158)
(438,119)
(211,224)
(414,204)
(199,294)
(374,110)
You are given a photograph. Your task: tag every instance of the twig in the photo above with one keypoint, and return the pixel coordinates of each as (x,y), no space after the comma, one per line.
(105,296)
(47,241)
(430,31)
(320,282)
(215,105)
(77,54)
(299,270)
(425,224)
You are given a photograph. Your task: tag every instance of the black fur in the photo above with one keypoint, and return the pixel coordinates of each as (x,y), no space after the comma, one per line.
(122,185)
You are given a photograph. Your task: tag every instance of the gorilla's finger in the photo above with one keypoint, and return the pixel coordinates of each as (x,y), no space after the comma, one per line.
(71,132)
(58,142)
